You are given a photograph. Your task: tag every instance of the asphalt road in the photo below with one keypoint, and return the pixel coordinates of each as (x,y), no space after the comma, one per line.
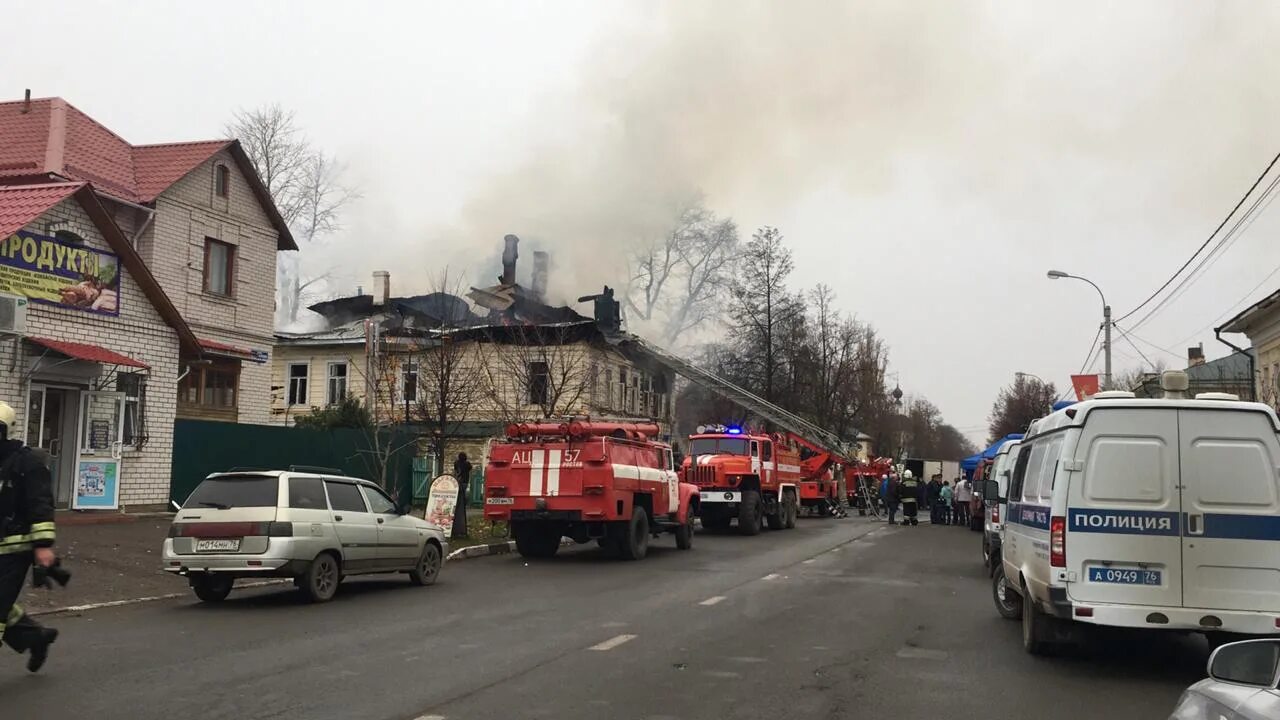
(837,619)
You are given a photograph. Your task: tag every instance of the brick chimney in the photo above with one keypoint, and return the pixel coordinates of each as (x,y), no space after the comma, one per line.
(510,252)
(1195,355)
(381,288)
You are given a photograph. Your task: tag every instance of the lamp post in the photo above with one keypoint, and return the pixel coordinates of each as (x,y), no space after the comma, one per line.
(1106,323)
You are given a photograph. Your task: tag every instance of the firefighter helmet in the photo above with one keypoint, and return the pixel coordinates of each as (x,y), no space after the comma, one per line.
(906,475)
(8,418)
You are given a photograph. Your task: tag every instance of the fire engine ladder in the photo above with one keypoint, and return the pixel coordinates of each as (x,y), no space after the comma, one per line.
(779,416)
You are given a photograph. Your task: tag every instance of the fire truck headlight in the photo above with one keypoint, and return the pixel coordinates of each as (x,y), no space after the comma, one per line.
(728,496)
(540,504)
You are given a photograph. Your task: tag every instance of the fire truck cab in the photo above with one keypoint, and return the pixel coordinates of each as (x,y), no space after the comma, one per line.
(603,481)
(749,477)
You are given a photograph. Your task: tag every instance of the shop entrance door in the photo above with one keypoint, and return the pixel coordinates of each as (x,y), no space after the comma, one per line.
(51,427)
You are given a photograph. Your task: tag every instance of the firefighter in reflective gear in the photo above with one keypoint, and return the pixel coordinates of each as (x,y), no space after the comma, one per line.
(26,537)
(909,496)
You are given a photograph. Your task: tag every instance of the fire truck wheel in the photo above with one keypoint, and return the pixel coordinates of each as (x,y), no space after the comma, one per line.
(750,512)
(684,533)
(778,520)
(792,511)
(636,544)
(536,542)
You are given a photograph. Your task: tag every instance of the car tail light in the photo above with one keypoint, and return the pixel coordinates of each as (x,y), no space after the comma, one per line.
(1084,612)
(995,513)
(1058,541)
(174,530)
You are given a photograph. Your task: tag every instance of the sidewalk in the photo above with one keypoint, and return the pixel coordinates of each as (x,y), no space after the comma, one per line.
(108,562)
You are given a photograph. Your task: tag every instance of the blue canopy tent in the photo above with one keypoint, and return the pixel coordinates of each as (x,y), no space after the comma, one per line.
(969,464)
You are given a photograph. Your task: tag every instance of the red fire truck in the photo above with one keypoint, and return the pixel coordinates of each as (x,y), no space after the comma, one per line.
(604,481)
(752,477)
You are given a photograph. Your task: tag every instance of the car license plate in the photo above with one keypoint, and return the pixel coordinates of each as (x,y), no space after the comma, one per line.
(1124,576)
(218,545)
(499,501)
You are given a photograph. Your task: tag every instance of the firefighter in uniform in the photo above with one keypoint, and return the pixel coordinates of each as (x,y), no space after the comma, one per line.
(26,537)
(909,495)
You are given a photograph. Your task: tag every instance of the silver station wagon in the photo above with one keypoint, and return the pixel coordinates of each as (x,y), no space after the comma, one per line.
(311,526)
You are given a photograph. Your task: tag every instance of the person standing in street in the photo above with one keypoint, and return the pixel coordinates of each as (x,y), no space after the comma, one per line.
(932,493)
(26,538)
(461,473)
(909,489)
(964,496)
(889,491)
(945,495)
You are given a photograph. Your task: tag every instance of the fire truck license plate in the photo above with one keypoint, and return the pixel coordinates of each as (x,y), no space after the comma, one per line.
(499,501)
(217,546)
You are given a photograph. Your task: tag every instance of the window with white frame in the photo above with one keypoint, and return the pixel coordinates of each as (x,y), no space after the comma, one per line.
(299,379)
(409,381)
(337,383)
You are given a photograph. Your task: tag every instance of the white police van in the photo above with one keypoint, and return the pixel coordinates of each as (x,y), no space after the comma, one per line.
(1160,514)
(993,489)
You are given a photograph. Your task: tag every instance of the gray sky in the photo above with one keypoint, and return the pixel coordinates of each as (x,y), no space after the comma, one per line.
(928,160)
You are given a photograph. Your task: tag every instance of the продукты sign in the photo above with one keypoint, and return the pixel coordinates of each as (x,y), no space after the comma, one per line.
(59,272)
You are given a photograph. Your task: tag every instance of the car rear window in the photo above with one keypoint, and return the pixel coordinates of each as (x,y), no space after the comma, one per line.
(236,491)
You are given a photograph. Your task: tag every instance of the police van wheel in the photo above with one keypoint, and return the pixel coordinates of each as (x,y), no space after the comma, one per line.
(1008,604)
(636,543)
(1034,626)
(212,588)
(749,513)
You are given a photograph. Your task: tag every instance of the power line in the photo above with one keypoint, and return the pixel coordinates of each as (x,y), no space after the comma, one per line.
(1135,347)
(1215,254)
(1205,244)
(1088,360)
(1233,307)
(1148,343)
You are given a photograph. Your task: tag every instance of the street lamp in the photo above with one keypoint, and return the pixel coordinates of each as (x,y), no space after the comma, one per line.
(1106,323)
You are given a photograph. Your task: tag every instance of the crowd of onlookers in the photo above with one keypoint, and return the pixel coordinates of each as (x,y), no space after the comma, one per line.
(949,502)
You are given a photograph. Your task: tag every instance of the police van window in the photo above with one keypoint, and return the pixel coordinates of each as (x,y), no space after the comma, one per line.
(1238,445)
(1049,469)
(345,496)
(1131,456)
(307,493)
(1032,484)
(768,450)
(1019,473)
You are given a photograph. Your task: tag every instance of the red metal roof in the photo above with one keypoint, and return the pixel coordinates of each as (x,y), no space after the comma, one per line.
(156,167)
(20,204)
(92,353)
(222,347)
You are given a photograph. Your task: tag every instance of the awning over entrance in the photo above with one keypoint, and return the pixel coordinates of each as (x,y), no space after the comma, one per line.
(91,353)
(213,347)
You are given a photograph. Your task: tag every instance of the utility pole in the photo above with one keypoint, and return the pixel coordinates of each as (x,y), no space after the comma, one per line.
(1106,323)
(1106,345)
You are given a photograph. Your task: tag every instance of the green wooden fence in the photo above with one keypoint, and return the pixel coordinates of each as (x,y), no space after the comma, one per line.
(201,447)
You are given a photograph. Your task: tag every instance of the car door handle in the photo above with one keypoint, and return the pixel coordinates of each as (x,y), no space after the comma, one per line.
(337,518)
(380,521)
(1195,523)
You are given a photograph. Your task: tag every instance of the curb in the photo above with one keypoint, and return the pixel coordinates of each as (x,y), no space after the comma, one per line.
(494,548)
(137,601)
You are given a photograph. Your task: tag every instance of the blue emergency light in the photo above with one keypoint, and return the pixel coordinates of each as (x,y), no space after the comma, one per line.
(734,431)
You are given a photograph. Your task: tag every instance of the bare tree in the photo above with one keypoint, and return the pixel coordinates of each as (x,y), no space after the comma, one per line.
(678,281)
(545,368)
(1018,404)
(448,384)
(305,184)
(761,308)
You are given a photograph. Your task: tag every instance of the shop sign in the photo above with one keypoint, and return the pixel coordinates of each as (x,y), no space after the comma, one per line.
(59,272)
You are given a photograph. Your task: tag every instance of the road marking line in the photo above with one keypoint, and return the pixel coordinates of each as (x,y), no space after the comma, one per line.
(771,576)
(808,562)
(722,674)
(713,600)
(612,642)
(429,717)
(135,601)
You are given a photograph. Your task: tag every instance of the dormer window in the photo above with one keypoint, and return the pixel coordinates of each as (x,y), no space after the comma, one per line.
(221,180)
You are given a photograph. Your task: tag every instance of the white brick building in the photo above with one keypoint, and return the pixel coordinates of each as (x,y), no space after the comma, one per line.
(187,333)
